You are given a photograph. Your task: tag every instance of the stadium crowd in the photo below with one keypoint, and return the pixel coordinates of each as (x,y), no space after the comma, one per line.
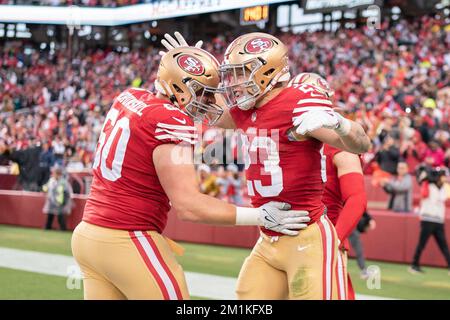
(394,80)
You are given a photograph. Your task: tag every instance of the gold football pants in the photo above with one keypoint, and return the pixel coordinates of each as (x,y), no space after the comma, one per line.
(118,264)
(300,267)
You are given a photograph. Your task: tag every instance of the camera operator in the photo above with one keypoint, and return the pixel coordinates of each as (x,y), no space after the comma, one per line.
(432,213)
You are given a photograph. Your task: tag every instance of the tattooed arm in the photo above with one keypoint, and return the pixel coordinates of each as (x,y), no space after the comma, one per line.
(355,141)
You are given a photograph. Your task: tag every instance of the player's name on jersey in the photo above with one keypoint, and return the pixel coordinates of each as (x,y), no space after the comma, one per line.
(130,102)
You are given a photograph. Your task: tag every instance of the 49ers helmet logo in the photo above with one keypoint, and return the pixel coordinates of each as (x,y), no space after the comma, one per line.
(258,45)
(191,64)
(322,83)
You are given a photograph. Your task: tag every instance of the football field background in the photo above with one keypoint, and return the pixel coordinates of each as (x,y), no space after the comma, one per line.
(395,281)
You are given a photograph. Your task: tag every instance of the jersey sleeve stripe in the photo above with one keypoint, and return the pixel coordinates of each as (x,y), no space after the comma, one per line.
(305,109)
(172,137)
(319,101)
(175,127)
(177,133)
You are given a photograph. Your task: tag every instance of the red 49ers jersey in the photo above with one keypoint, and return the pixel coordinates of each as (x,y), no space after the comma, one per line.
(332,197)
(279,168)
(126,193)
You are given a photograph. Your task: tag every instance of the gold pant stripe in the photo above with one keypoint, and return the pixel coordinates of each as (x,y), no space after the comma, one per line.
(292,267)
(156,265)
(114,264)
(328,242)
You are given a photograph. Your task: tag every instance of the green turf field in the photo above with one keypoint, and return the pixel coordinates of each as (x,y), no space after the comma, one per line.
(396,282)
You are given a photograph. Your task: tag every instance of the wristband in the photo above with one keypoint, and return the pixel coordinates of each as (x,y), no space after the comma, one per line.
(344,127)
(247,216)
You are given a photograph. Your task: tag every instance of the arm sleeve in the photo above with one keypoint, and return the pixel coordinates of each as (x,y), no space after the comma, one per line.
(355,203)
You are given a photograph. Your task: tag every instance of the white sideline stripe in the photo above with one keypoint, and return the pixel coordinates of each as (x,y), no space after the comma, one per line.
(199,284)
(175,127)
(151,255)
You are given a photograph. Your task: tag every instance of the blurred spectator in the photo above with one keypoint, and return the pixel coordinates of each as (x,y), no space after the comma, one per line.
(234,185)
(388,156)
(58,202)
(413,151)
(434,154)
(222,181)
(58,150)
(28,161)
(46,161)
(365,224)
(395,81)
(208,183)
(400,189)
(432,215)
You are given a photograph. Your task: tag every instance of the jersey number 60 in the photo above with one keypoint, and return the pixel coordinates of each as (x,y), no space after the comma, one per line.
(112,145)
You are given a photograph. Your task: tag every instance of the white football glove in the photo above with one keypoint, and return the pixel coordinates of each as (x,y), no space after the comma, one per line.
(169,42)
(276,217)
(315,119)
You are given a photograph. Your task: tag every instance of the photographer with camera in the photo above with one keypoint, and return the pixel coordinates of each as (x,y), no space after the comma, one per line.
(432,213)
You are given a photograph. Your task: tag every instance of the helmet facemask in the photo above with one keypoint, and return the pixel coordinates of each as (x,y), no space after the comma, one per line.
(189,77)
(199,108)
(238,83)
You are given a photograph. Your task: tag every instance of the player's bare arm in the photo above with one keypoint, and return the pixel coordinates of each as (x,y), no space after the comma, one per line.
(344,134)
(355,141)
(347,162)
(175,170)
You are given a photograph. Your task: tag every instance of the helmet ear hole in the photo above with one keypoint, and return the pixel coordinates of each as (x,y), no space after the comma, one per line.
(177,88)
(262,81)
(269,72)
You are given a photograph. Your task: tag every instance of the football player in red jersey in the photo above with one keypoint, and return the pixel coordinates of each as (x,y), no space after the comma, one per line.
(144,160)
(344,195)
(346,201)
(285,126)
